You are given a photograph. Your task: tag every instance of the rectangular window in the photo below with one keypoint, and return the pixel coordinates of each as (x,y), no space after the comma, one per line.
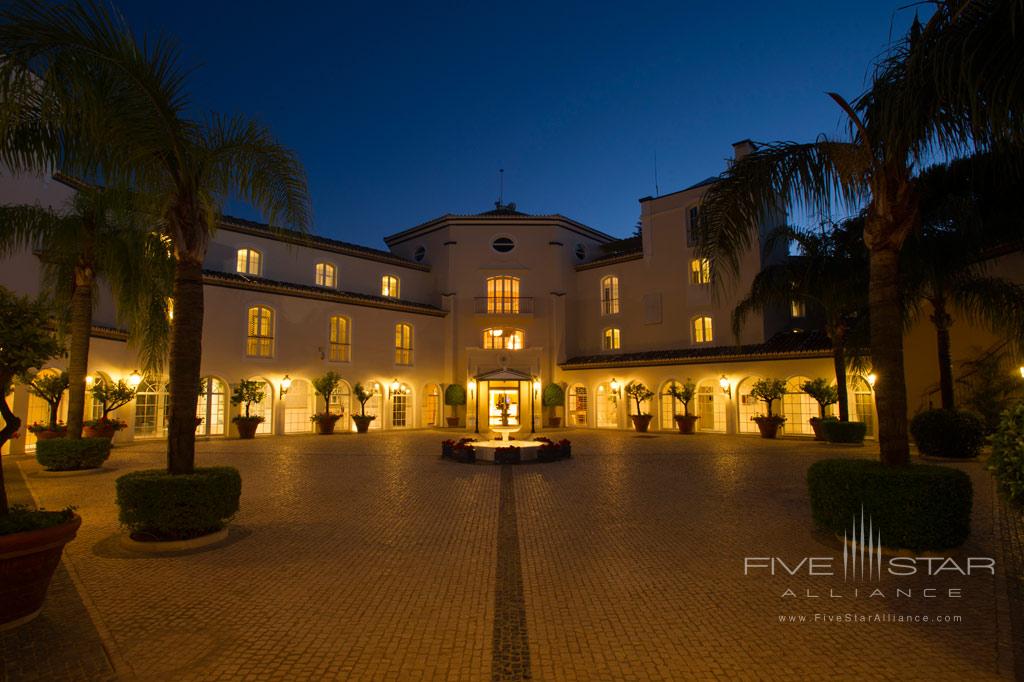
(797,308)
(249,262)
(610,296)
(339,340)
(399,407)
(611,339)
(326,275)
(260,342)
(700,271)
(691,226)
(403,344)
(702,330)
(389,286)
(503,295)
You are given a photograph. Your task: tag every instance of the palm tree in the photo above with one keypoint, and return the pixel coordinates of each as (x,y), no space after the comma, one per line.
(97,81)
(953,85)
(968,211)
(829,276)
(98,238)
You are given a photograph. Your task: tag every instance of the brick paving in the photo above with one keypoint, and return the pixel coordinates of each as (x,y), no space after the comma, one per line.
(368,557)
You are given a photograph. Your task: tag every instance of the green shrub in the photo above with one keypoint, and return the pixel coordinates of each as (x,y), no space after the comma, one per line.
(553,396)
(919,507)
(1007,461)
(65,454)
(177,507)
(836,431)
(948,433)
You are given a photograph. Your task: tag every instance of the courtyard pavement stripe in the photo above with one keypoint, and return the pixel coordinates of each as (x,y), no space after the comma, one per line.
(511,655)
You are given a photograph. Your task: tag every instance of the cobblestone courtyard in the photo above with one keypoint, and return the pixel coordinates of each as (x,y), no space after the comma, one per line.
(368,557)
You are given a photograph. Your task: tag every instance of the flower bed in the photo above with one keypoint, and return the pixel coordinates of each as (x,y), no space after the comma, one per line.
(460,450)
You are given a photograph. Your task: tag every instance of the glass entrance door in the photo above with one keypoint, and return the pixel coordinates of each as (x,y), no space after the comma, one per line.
(503,399)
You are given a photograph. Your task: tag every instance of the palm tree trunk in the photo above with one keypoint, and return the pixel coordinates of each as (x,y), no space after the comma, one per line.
(942,320)
(78,348)
(887,355)
(839,364)
(185,359)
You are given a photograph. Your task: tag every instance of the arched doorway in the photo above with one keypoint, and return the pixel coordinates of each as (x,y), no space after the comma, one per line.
(749,406)
(373,406)
(711,406)
(577,405)
(401,407)
(645,405)
(432,406)
(798,408)
(668,407)
(151,407)
(299,403)
(39,410)
(863,404)
(93,407)
(607,408)
(341,404)
(264,408)
(211,407)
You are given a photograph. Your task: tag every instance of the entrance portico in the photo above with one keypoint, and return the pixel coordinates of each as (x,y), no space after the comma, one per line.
(504,399)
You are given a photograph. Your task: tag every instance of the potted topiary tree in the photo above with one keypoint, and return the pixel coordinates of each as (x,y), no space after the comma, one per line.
(50,387)
(639,393)
(110,396)
(325,387)
(31,541)
(684,393)
(246,393)
(825,394)
(553,397)
(768,391)
(454,395)
(362,419)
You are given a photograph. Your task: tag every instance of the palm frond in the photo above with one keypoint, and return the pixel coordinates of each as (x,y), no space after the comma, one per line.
(995,303)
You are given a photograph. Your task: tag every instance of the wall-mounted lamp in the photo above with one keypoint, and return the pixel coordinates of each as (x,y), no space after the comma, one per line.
(90,380)
(872,378)
(395,385)
(1022,372)
(472,387)
(134,379)
(614,386)
(725,386)
(536,384)
(286,383)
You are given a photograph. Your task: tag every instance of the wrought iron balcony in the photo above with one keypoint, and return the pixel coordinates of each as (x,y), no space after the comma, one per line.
(503,305)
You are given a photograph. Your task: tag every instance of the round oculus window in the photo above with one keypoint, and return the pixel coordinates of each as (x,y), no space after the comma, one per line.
(503,244)
(420,253)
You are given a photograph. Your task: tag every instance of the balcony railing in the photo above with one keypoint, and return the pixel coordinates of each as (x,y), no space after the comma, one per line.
(503,305)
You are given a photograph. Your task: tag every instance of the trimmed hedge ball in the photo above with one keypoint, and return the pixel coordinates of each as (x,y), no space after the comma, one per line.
(178,507)
(67,454)
(948,433)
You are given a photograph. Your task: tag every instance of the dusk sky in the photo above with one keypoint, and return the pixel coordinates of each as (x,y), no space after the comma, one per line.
(403,113)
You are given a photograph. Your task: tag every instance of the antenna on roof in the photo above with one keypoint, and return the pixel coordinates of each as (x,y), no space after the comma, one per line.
(501,188)
(657,192)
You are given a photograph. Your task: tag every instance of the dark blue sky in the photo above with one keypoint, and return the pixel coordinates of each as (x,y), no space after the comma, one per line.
(402,113)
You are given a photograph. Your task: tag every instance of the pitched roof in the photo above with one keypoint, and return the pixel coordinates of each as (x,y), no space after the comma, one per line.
(504,213)
(782,345)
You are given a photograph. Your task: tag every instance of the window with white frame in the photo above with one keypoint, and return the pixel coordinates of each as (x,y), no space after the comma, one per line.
(249,262)
(340,345)
(389,286)
(610,340)
(403,344)
(260,341)
(326,275)
(610,295)
(503,338)
(702,332)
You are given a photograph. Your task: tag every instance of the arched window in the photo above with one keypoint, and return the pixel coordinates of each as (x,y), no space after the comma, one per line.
(610,295)
(340,401)
(210,407)
(503,338)
(260,342)
(748,405)
(264,408)
(326,275)
(702,332)
(578,405)
(299,405)
(340,345)
(710,406)
(798,408)
(610,340)
(863,403)
(668,406)
(503,295)
(249,262)
(151,408)
(403,344)
(400,407)
(700,271)
(390,286)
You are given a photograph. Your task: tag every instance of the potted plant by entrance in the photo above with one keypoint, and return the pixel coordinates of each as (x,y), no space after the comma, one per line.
(362,419)
(247,393)
(825,394)
(110,397)
(50,387)
(684,393)
(325,387)
(639,393)
(31,541)
(553,398)
(768,391)
(454,395)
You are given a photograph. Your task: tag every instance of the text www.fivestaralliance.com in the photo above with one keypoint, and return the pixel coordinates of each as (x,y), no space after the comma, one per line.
(843,618)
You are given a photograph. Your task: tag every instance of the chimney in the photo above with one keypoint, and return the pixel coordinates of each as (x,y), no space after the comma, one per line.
(742,148)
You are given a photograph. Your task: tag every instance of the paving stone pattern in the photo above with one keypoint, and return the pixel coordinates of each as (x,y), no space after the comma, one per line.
(369,557)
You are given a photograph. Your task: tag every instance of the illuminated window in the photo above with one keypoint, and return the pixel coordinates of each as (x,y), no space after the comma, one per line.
(339,341)
(610,340)
(610,296)
(797,308)
(326,275)
(507,339)
(702,330)
(700,271)
(249,262)
(389,286)
(260,343)
(503,295)
(403,344)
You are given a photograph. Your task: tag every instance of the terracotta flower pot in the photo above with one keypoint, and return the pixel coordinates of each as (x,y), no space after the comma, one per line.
(453,422)
(362,423)
(325,424)
(641,422)
(27,563)
(554,422)
(769,427)
(247,427)
(686,422)
(99,431)
(48,434)
(819,433)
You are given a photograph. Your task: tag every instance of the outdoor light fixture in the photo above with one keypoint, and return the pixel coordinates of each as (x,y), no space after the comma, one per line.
(536,384)
(1022,372)
(395,386)
(286,383)
(89,380)
(726,386)
(615,386)
(872,378)
(134,379)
